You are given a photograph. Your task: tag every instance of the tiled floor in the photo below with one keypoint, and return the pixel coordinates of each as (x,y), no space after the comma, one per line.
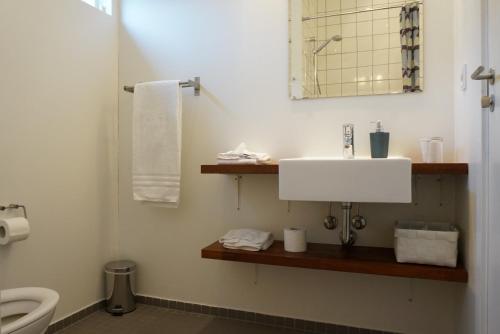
(156,320)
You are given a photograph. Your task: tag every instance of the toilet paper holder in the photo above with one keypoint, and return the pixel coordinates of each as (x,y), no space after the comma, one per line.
(14,207)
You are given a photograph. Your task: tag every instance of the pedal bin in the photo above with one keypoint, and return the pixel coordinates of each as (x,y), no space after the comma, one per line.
(120,286)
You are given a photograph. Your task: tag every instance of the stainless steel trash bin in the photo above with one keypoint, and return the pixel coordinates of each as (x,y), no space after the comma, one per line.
(120,287)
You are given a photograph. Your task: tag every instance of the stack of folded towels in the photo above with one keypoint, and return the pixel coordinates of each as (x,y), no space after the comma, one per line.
(242,156)
(247,239)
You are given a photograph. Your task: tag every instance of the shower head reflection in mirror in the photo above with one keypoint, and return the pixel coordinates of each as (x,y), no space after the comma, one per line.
(336,38)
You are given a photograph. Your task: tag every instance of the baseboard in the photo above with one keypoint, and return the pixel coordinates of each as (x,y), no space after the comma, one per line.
(72,318)
(306,326)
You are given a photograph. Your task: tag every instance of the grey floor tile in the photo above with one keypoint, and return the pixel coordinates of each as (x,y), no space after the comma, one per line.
(149,319)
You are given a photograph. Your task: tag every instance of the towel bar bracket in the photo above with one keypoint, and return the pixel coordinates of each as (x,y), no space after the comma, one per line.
(15,207)
(195,83)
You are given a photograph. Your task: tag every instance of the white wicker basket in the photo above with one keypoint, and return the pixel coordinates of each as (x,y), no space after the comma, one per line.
(426,243)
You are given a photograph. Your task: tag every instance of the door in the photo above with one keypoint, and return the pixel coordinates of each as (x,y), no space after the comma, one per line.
(492,12)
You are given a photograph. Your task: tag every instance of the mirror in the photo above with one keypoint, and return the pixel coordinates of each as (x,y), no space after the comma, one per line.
(355,47)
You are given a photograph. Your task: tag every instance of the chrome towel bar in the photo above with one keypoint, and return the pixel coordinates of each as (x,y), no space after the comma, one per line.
(195,83)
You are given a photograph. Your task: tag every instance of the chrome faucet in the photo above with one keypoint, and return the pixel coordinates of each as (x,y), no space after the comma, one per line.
(348,142)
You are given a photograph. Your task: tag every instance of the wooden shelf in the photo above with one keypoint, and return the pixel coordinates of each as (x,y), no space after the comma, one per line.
(417,168)
(440,168)
(240,169)
(364,260)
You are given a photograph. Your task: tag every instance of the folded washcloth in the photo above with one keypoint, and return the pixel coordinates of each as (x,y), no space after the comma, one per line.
(241,155)
(237,162)
(247,239)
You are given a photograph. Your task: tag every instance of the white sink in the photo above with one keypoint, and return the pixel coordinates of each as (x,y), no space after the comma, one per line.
(345,180)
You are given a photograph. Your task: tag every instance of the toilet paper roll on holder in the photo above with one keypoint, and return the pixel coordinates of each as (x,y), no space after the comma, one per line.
(15,207)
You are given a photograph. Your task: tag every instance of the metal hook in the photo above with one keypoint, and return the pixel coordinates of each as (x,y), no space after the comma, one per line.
(15,207)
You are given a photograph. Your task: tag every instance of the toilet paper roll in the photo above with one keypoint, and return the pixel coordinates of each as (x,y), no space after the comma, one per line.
(13,229)
(295,240)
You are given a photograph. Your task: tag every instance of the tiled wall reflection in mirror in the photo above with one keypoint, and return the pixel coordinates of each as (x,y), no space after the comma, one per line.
(355,47)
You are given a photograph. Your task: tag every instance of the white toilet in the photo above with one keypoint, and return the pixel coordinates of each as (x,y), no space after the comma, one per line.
(27,310)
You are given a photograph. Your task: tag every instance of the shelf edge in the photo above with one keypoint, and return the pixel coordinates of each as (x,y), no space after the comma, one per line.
(417,168)
(360,266)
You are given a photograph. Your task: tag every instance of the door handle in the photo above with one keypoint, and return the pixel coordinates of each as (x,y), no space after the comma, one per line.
(479,75)
(487,101)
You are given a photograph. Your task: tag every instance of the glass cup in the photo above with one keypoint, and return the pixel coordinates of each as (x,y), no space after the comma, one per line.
(436,150)
(424,149)
(432,149)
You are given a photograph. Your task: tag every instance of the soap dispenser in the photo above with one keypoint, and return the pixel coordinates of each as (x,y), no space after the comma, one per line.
(379,141)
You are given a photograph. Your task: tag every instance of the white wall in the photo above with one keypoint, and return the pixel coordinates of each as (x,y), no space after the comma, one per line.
(469,144)
(58,104)
(240,50)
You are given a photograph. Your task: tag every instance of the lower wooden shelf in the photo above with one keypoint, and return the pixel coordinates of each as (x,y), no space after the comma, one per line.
(364,260)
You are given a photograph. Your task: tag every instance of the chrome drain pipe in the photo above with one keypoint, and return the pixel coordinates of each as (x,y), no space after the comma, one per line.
(347,235)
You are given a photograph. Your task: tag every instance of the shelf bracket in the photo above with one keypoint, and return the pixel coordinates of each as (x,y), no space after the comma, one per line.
(238,191)
(411,290)
(416,178)
(440,180)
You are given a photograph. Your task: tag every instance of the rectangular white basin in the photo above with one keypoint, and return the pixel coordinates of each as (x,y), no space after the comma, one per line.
(345,180)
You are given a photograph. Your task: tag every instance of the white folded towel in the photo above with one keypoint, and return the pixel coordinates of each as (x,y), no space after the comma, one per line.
(241,155)
(247,239)
(237,162)
(157,125)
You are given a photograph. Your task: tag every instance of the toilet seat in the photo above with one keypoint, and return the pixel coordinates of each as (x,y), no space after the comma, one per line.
(35,303)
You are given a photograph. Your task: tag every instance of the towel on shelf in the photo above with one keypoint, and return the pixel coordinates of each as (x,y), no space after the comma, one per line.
(241,155)
(237,162)
(156,158)
(247,239)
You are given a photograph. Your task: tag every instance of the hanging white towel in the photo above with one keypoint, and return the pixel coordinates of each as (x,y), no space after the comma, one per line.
(157,134)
